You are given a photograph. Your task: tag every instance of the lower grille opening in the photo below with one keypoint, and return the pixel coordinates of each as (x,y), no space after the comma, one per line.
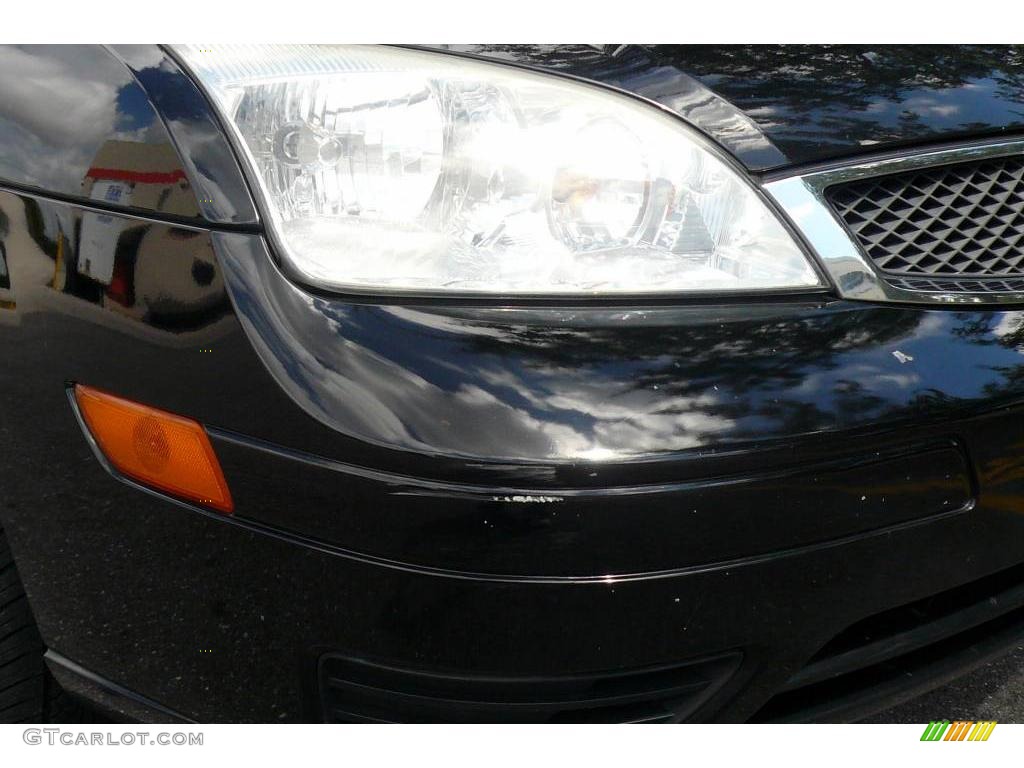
(910,648)
(358,691)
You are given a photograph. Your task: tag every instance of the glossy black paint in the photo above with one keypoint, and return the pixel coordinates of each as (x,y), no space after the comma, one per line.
(610,386)
(775,105)
(221,190)
(520,491)
(79,121)
(570,534)
(365,558)
(74,118)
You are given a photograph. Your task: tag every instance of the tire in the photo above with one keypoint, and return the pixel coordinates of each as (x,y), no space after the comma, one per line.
(28,692)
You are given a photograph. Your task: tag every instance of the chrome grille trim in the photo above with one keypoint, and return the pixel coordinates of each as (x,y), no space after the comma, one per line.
(802,199)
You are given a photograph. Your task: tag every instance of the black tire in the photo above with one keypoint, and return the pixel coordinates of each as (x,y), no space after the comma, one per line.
(28,692)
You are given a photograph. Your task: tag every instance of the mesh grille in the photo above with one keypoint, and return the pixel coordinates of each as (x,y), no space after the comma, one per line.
(964,220)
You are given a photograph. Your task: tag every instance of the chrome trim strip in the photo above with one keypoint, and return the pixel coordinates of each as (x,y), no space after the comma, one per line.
(802,199)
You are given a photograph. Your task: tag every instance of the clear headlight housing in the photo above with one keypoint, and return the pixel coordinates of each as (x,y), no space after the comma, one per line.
(393,170)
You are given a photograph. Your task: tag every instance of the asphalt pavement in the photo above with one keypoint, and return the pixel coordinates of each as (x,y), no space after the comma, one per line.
(992,692)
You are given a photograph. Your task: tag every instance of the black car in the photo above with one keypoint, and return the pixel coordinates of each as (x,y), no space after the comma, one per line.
(508,382)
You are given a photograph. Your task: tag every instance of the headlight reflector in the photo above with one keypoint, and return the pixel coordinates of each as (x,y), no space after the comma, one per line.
(395,170)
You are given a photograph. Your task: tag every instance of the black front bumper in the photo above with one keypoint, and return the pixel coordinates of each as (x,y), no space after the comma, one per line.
(720,512)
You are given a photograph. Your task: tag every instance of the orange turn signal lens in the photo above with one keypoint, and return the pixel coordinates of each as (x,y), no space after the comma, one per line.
(155,448)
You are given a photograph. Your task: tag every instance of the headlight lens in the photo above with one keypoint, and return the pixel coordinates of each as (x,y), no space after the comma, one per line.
(386,169)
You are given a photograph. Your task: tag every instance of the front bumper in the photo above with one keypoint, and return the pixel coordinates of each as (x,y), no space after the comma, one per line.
(468,500)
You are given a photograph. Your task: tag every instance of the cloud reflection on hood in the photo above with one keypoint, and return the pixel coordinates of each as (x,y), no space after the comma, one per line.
(61,103)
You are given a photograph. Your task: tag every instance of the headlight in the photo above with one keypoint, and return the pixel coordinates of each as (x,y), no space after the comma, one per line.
(393,170)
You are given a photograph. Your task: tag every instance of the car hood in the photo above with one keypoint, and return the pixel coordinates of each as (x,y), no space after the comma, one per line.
(776,106)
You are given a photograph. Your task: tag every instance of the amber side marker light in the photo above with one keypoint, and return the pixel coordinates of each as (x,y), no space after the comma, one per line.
(155,448)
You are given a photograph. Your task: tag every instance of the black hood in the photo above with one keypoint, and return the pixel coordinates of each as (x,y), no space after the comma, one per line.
(773,106)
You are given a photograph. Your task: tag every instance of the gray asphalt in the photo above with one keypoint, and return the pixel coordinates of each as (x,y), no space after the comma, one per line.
(992,692)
